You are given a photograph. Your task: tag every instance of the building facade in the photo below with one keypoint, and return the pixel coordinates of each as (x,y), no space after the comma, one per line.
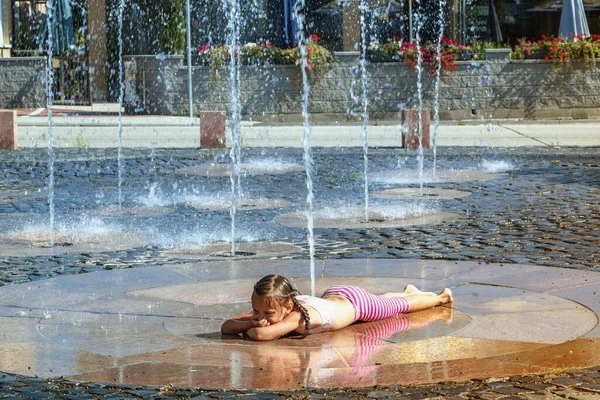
(336,22)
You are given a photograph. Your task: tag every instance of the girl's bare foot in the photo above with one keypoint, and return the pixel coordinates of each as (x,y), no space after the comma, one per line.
(411,289)
(445,314)
(446,296)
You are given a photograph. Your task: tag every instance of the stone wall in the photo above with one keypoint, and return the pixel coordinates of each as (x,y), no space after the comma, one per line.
(22,82)
(495,88)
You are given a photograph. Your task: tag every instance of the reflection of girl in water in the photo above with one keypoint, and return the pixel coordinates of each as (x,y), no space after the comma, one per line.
(279,309)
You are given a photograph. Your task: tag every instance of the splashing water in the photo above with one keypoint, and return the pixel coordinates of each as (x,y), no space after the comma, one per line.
(496,166)
(365,101)
(267,165)
(299,8)
(121,96)
(436,103)
(51,154)
(421,156)
(382,212)
(232,7)
(85,229)
(154,198)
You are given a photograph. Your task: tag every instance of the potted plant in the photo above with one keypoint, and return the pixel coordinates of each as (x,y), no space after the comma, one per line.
(559,50)
(264,53)
(391,51)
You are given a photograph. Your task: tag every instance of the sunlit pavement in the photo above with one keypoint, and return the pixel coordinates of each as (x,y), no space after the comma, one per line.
(160,326)
(99,126)
(141,330)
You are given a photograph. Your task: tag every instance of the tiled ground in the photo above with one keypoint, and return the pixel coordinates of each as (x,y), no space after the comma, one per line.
(543,212)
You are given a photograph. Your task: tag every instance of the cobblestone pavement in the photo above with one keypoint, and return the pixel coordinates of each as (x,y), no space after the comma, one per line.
(545,210)
(578,384)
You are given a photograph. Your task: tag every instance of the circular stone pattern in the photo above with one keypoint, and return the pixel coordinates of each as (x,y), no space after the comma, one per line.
(160,325)
(11,195)
(242,250)
(264,167)
(137,211)
(417,194)
(244,204)
(38,242)
(412,177)
(354,218)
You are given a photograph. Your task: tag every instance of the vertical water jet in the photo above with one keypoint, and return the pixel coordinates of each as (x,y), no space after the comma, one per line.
(50,100)
(299,9)
(365,101)
(436,102)
(121,10)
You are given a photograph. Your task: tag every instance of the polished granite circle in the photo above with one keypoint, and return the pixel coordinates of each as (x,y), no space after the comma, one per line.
(160,325)
(244,204)
(354,218)
(40,242)
(11,195)
(137,211)
(242,250)
(413,177)
(428,193)
(261,167)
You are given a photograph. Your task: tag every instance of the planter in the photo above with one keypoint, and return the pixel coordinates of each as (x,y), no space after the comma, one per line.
(205,60)
(498,55)
(201,60)
(380,58)
(346,57)
(536,55)
(254,60)
(466,55)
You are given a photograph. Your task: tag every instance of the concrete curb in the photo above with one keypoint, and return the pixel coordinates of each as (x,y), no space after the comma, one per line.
(182,132)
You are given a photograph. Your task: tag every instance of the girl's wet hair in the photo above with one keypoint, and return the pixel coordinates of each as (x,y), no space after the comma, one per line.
(279,289)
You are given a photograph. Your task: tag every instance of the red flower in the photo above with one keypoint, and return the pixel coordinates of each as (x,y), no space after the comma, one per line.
(314,37)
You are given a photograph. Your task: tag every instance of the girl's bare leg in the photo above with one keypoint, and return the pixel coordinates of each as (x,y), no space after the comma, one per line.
(419,300)
(409,289)
(425,300)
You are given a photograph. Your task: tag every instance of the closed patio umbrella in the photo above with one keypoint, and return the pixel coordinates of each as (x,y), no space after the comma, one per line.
(63,36)
(494,23)
(572,20)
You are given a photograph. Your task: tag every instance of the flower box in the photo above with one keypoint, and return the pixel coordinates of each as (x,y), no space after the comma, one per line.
(537,55)
(379,58)
(497,55)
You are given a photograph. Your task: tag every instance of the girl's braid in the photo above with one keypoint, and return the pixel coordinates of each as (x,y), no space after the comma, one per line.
(282,290)
(304,313)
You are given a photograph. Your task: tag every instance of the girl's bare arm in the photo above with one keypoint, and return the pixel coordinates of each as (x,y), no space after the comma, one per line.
(239,324)
(289,324)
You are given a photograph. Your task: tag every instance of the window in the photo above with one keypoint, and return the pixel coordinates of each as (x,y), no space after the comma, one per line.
(1,25)
(27,17)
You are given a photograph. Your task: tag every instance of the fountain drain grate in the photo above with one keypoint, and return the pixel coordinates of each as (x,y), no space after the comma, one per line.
(237,254)
(49,246)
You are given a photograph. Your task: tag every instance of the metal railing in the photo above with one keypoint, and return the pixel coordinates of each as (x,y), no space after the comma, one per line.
(71,75)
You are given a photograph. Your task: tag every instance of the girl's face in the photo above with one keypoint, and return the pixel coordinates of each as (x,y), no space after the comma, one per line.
(269,311)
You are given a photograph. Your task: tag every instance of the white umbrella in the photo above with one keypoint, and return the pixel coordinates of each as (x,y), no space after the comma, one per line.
(572,20)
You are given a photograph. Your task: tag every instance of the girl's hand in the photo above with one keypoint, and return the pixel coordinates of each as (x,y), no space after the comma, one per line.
(261,322)
(256,322)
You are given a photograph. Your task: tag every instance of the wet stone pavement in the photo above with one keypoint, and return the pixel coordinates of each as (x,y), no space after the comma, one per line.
(577,384)
(543,210)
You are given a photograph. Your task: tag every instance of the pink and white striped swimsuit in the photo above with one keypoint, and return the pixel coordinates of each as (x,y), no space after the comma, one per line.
(368,306)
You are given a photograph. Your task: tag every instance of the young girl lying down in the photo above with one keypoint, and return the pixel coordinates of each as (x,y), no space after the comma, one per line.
(278,309)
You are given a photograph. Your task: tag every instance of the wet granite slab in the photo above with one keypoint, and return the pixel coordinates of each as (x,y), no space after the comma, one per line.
(160,325)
